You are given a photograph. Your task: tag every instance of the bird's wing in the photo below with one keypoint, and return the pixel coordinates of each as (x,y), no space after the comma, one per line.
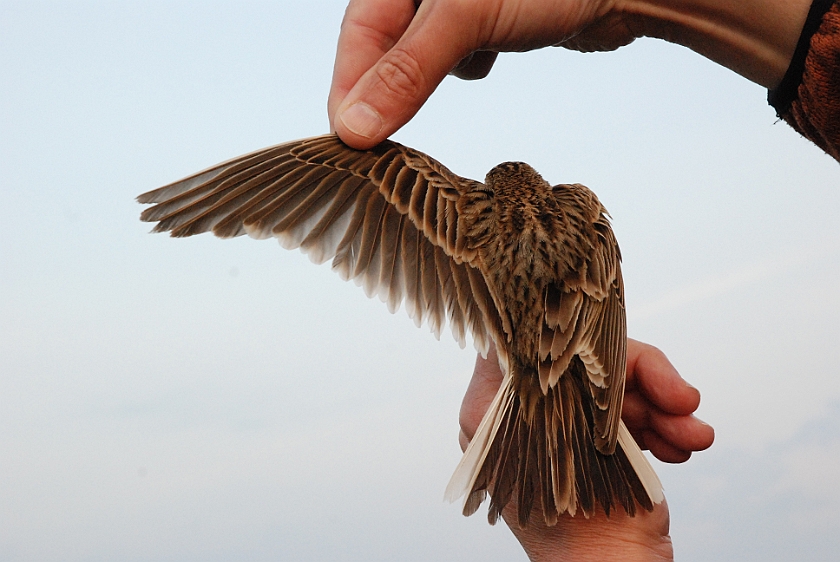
(588,319)
(387,217)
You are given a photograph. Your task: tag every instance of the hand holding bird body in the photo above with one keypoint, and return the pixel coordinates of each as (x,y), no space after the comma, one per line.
(658,404)
(658,408)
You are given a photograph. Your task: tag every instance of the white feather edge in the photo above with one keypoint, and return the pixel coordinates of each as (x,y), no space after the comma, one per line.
(466,472)
(640,464)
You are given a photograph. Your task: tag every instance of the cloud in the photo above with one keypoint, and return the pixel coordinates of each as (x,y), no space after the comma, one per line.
(749,274)
(778,504)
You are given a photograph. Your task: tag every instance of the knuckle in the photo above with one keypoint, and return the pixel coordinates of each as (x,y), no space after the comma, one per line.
(401,74)
(655,353)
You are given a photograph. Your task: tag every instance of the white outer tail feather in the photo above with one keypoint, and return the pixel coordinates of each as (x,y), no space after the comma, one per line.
(466,472)
(640,464)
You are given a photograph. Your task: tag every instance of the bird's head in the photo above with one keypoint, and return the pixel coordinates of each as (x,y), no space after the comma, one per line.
(521,197)
(514,179)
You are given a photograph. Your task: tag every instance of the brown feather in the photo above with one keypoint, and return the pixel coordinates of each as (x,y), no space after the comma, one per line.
(532,268)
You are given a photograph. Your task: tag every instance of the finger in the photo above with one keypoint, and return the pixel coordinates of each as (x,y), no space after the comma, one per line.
(635,411)
(393,90)
(369,29)
(682,432)
(463,440)
(475,66)
(649,371)
(639,437)
(663,450)
(604,34)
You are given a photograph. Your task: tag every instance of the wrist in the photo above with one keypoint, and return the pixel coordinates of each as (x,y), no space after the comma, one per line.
(755,38)
(643,538)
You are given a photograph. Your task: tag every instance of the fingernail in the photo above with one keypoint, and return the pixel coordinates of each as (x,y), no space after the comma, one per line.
(361,119)
(698,420)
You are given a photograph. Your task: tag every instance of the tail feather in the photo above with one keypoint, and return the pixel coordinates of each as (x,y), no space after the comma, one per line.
(544,454)
(641,466)
(464,478)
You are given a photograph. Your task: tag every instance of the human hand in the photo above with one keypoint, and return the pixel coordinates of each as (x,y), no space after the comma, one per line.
(658,408)
(392,54)
(658,404)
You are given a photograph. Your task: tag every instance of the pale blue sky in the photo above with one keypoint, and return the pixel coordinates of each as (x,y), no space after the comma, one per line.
(201,399)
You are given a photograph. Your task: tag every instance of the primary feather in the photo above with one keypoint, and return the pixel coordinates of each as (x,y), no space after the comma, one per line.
(531,268)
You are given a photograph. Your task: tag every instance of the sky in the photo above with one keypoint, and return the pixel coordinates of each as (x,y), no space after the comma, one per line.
(200,399)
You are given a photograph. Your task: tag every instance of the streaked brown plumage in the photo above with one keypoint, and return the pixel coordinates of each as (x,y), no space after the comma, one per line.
(519,263)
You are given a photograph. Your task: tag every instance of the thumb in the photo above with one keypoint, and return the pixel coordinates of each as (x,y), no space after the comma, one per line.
(485,382)
(392,91)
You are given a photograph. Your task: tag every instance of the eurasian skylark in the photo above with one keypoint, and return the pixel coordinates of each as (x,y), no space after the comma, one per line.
(531,268)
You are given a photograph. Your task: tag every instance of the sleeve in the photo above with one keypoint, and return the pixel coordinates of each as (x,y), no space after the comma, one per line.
(808,98)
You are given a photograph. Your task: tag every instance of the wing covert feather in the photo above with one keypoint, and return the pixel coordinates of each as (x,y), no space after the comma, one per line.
(588,320)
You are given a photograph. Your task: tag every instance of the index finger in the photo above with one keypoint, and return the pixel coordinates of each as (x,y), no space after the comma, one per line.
(650,371)
(369,29)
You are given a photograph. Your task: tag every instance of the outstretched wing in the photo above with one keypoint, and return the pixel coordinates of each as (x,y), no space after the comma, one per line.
(387,217)
(588,319)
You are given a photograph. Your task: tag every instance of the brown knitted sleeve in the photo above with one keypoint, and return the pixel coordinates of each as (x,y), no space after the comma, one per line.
(815,108)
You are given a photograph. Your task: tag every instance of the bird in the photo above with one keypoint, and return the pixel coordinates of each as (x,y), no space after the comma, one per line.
(530,268)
